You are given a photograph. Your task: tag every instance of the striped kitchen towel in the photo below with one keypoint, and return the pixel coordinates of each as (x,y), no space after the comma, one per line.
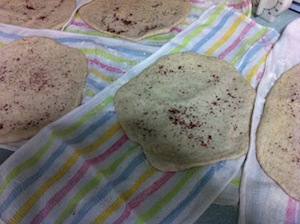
(262,200)
(77,25)
(83,168)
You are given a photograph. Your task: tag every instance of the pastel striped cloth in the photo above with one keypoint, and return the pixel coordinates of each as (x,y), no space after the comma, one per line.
(83,169)
(77,25)
(262,200)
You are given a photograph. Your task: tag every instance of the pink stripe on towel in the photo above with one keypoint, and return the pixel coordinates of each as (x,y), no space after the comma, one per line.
(290,216)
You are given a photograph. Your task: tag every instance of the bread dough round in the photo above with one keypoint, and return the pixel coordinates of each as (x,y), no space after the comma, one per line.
(40,80)
(134,19)
(278,135)
(36,14)
(187,110)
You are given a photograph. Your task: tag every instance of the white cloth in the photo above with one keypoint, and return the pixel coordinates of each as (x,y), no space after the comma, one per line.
(261,199)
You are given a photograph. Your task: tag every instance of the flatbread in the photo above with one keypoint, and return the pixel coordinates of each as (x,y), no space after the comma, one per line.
(187,110)
(40,80)
(134,19)
(278,135)
(36,14)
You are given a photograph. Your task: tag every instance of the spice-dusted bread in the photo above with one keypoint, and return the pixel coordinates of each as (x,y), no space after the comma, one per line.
(40,80)
(134,19)
(278,135)
(187,110)
(35,13)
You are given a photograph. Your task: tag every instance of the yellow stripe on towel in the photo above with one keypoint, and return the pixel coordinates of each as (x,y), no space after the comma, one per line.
(226,36)
(27,206)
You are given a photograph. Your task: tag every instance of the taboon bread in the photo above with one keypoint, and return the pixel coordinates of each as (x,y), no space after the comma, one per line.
(134,19)
(40,80)
(278,135)
(187,110)
(36,14)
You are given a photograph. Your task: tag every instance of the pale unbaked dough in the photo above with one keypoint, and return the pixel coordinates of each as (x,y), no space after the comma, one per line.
(278,135)
(134,19)
(40,80)
(36,14)
(187,110)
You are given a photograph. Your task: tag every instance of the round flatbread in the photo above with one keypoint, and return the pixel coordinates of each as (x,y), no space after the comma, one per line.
(36,14)
(187,110)
(134,19)
(278,135)
(41,80)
